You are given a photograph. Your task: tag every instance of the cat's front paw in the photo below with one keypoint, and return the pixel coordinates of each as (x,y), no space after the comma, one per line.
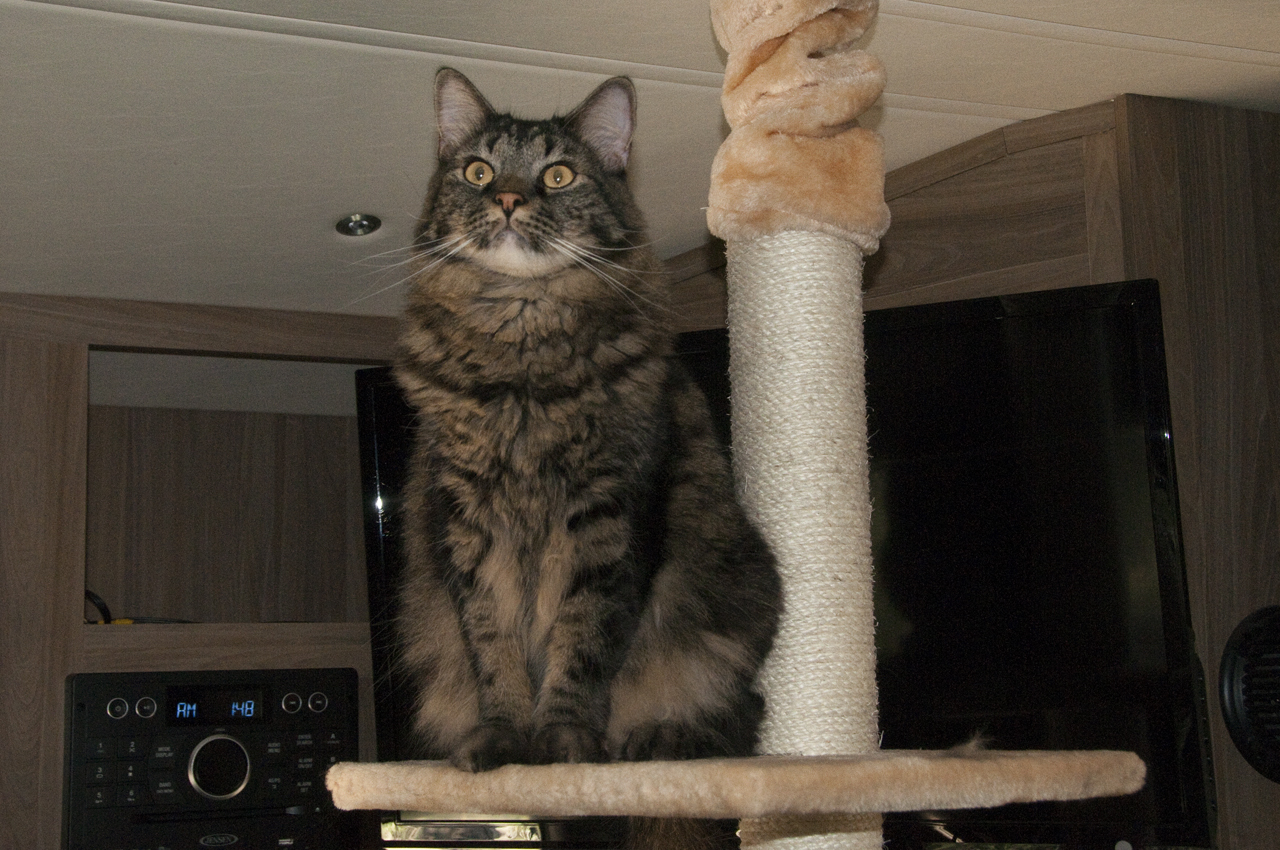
(567,743)
(661,742)
(490,745)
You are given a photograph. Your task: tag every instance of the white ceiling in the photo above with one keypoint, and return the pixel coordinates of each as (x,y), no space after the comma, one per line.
(202,151)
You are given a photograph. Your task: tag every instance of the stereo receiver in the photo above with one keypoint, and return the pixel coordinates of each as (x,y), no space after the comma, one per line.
(200,759)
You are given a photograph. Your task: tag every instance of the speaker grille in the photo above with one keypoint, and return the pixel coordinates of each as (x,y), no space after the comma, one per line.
(1249,680)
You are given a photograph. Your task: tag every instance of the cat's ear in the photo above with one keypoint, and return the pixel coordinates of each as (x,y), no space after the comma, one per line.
(605,121)
(460,110)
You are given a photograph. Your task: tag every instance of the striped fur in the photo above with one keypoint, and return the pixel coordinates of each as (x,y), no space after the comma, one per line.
(581,584)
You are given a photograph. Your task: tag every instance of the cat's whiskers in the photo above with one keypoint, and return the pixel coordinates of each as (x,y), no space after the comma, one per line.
(441,250)
(593,263)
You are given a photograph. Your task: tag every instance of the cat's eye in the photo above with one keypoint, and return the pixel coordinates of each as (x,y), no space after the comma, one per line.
(479,173)
(557,176)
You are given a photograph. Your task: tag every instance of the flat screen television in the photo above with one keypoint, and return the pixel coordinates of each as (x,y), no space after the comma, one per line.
(1028,563)
(1029,578)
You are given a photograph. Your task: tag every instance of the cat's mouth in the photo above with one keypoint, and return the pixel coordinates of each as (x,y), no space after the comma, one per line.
(511,252)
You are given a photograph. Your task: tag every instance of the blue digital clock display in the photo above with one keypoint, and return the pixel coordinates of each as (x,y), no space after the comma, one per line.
(208,706)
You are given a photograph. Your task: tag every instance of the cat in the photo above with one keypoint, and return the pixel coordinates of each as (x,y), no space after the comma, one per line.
(580,583)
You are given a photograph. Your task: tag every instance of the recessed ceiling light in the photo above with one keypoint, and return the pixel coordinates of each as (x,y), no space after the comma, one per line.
(358,224)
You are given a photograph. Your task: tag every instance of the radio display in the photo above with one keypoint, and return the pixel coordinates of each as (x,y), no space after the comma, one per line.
(213,706)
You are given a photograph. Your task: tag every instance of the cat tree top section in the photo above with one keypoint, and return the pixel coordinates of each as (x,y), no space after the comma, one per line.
(885,781)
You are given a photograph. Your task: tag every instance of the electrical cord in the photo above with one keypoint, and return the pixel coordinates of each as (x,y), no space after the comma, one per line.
(105,613)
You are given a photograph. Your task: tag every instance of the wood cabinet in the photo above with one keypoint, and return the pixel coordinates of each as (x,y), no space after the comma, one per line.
(51,484)
(1140,187)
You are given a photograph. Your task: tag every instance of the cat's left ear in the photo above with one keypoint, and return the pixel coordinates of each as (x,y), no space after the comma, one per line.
(460,110)
(605,121)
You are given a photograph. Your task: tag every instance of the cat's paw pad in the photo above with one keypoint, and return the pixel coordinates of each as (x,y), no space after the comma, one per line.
(488,746)
(660,742)
(567,743)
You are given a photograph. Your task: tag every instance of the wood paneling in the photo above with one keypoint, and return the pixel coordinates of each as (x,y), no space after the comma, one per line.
(44,412)
(199,328)
(43,398)
(225,516)
(989,147)
(1060,126)
(1031,277)
(1102,208)
(1017,210)
(944,165)
(1200,215)
(700,302)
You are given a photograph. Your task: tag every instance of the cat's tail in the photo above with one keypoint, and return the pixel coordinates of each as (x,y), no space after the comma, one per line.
(680,834)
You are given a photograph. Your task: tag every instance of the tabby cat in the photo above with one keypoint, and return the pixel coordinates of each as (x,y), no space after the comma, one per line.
(580,584)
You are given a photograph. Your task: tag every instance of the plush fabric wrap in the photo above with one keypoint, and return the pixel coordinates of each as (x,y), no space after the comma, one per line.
(795,158)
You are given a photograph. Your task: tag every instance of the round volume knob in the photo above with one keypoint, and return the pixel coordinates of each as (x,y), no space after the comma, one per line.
(219,767)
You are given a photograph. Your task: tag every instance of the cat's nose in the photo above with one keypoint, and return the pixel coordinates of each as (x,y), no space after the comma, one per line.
(509,201)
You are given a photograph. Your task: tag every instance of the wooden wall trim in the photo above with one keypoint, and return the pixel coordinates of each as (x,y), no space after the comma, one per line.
(696,261)
(44,400)
(112,323)
(1024,135)
(1057,273)
(942,165)
(1102,208)
(1060,126)
(1199,184)
(701,303)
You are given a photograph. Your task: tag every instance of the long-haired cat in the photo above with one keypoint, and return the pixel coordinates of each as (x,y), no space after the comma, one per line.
(580,583)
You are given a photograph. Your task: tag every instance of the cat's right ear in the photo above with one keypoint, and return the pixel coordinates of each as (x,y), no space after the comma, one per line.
(460,110)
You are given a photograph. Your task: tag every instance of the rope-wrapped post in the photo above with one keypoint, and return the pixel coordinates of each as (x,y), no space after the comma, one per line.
(798,195)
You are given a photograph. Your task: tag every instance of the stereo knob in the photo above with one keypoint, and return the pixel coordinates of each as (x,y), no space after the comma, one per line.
(219,767)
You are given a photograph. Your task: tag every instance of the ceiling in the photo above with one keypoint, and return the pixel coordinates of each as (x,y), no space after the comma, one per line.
(202,151)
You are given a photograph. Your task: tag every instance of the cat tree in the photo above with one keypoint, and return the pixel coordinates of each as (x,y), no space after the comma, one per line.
(798,195)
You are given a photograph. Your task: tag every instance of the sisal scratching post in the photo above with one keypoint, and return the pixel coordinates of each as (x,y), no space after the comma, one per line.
(799,433)
(797,193)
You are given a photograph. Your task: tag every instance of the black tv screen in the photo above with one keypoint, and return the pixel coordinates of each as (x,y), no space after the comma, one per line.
(1030,586)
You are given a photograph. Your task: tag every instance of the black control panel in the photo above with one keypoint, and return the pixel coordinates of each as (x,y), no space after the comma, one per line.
(200,759)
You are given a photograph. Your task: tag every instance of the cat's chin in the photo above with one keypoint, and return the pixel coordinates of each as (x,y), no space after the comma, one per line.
(514,258)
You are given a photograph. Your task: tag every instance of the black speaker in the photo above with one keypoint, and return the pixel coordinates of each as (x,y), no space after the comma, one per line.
(1249,683)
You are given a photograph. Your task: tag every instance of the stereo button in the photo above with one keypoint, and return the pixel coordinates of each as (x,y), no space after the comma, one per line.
(318,702)
(145,707)
(101,772)
(131,771)
(219,767)
(164,754)
(130,747)
(117,709)
(164,788)
(133,795)
(101,797)
(291,703)
(273,785)
(101,748)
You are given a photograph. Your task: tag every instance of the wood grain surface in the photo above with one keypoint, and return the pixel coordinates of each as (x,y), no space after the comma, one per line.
(43,400)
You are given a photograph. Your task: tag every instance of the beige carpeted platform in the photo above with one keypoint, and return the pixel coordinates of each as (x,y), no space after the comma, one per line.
(886,781)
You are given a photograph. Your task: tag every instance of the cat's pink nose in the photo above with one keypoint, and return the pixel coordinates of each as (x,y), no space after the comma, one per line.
(509,201)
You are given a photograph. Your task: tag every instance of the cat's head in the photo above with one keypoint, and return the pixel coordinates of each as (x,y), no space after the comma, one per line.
(529,198)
